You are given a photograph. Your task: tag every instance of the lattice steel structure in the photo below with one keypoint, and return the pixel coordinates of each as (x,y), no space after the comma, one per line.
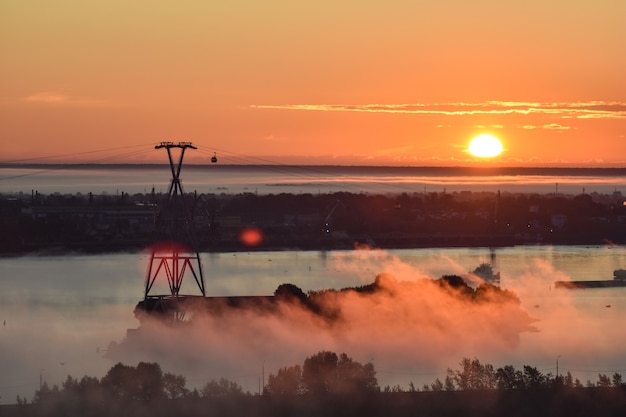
(176,254)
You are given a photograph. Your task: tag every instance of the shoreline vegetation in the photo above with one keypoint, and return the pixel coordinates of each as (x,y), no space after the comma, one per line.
(88,223)
(329,384)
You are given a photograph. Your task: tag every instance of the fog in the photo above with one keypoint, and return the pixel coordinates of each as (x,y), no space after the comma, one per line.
(410,328)
(70,315)
(278,179)
(402,324)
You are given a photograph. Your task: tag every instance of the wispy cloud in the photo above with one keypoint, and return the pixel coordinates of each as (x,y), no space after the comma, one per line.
(60,98)
(556,126)
(495,126)
(565,110)
(549,126)
(47,97)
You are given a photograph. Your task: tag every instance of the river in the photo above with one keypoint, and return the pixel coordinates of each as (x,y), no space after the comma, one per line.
(60,314)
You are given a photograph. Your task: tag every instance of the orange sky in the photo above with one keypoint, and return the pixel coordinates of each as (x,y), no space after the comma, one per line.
(319,82)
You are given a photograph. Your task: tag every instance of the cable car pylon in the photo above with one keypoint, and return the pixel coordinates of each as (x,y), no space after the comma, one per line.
(175,255)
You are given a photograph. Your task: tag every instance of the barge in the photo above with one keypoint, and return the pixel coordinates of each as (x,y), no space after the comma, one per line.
(619,280)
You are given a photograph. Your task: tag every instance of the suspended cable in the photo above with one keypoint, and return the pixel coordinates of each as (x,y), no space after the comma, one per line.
(325,176)
(312,171)
(66,166)
(21,161)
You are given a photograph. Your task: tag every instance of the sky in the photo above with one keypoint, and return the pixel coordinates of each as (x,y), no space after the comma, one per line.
(315,82)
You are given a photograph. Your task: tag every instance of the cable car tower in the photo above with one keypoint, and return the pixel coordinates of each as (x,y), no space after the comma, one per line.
(176,254)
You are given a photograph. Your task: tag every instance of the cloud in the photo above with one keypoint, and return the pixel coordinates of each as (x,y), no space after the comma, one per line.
(492,126)
(556,126)
(59,98)
(47,97)
(566,110)
(549,126)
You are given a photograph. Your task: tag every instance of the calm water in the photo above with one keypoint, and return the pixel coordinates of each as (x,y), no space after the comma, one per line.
(59,314)
(232,179)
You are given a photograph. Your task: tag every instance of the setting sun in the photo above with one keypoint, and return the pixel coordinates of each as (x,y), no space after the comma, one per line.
(485,146)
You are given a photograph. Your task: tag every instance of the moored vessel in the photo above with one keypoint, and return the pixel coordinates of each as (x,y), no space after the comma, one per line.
(619,280)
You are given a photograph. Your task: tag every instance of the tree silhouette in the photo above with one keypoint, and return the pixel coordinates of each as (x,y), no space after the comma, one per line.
(175,386)
(319,372)
(287,382)
(145,382)
(118,381)
(220,389)
(331,384)
(474,376)
(533,378)
(509,378)
(290,292)
(325,372)
(354,377)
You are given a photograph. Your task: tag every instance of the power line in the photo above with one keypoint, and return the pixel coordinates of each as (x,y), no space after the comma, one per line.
(65,166)
(320,172)
(16,161)
(327,176)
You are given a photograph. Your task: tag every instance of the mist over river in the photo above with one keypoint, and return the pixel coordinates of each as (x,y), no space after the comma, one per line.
(61,314)
(274,179)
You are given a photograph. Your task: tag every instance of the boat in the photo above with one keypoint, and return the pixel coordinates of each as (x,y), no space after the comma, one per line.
(619,280)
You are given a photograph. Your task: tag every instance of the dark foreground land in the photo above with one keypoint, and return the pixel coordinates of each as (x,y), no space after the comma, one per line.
(106,223)
(571,402)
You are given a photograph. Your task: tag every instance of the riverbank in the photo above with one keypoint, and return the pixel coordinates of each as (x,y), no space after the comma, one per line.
(50,224)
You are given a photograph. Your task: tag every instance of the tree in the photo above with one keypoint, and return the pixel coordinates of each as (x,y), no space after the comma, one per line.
(145,382)
(290,292)
(118,381)
(91,390)
(287,381)
(220,389)
(509,378)
(45,393)
(474,375)
(395,388)
(355,377)
(449,382)
(437,385)
(533,378)
(149,379)
(174,386)
(319,371)
(604,381)
(326,372)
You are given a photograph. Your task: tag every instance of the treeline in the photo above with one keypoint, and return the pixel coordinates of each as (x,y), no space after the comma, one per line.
(474,375)
(329,384)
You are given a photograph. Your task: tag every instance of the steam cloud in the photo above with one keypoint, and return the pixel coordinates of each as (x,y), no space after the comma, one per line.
(397,324)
